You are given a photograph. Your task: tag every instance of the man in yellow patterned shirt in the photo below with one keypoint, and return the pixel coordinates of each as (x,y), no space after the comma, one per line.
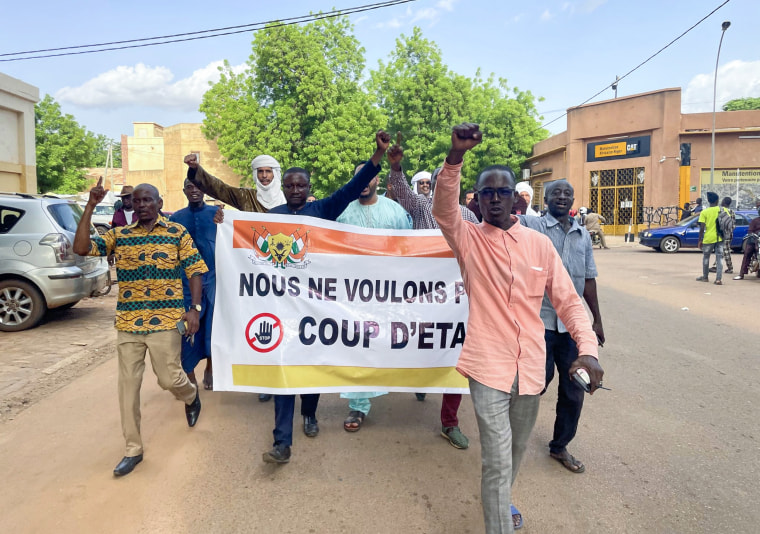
(151,254)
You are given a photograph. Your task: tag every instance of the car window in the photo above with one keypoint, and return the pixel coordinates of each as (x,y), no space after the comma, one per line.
(8,218)
(687,221)
(102,209)
(66,215)
(740,220)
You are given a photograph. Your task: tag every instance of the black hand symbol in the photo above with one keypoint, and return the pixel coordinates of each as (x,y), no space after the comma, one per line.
(265,333)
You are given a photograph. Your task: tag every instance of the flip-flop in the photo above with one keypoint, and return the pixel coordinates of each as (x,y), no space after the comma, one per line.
(570,463)
(517,520)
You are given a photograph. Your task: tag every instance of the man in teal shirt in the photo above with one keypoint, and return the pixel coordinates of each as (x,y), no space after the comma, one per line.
(710,241)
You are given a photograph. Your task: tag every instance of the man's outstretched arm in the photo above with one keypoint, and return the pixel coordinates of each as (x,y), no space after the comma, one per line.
(242,198)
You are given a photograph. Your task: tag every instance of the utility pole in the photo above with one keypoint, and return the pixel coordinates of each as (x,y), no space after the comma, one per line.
(109,160)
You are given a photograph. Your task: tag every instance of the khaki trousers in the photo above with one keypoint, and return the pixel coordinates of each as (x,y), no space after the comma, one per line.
(164,348)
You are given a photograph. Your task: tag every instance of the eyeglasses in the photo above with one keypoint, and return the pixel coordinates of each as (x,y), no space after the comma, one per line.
(300,187)
(424,182)
(488,192)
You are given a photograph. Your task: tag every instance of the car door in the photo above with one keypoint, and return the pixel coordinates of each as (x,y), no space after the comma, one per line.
(740,230)
(690,237)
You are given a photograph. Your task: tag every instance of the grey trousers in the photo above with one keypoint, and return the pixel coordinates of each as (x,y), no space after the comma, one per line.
(505,421)
(706,251)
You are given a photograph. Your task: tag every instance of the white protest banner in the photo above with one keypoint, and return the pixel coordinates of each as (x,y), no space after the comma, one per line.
(311,306)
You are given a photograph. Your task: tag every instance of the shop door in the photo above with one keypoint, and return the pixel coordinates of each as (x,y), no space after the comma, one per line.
(618,196)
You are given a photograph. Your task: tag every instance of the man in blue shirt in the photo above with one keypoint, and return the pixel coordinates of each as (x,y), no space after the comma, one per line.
(296,185)
(198,219)
(573,244)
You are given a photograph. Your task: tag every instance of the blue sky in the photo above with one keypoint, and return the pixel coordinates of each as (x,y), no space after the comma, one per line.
(563,51)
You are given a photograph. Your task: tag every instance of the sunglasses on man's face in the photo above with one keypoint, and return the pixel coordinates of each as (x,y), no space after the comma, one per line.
(424,182)
(488,193)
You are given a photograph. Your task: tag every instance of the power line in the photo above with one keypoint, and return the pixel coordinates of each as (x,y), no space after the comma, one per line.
(647,60)
(217,32)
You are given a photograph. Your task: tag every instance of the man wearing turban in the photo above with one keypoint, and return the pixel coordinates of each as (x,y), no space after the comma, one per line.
(267,173)
(526,191)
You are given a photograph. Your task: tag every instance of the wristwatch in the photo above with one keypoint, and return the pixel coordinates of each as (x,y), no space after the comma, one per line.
(196,307)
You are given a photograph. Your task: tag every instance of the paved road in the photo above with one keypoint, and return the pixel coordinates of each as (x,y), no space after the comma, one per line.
(673,448)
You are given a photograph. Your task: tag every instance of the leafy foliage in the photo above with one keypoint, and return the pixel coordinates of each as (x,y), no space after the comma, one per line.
(301,100)
(64,148)
(424,100)
(101,152)
(739,104)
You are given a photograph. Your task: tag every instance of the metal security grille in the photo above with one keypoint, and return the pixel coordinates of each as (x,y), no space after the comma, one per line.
(618,195)
(538,195)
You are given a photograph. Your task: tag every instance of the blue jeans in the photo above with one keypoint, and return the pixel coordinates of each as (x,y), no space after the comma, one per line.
(706,251)
(561,352)
(284,406)
(505,421)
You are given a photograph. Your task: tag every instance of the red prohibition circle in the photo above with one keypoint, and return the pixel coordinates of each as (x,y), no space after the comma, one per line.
(276,323)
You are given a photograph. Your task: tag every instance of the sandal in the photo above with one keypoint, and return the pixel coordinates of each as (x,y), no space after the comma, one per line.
(356,418)
(569,462)
(208,380)
(517,520)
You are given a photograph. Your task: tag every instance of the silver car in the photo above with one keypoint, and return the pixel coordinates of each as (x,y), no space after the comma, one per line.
(38,267)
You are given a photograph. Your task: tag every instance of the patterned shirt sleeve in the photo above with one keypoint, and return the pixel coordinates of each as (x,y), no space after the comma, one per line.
(468,215)
(401,190)
(102,245)
(189,258)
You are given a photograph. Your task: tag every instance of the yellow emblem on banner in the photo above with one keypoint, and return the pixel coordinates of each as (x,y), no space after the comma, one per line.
(280,246)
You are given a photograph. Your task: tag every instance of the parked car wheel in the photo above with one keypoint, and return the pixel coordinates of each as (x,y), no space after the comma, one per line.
(101,228)
(21,305)
(670,244)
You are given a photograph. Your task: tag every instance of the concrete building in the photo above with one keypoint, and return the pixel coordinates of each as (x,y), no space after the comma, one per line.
(18,167)
(637,159)
(156,155)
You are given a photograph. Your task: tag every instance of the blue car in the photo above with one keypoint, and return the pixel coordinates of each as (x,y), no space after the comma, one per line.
(685,234)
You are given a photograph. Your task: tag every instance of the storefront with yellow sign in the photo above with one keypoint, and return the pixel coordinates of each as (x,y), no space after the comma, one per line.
(637,159)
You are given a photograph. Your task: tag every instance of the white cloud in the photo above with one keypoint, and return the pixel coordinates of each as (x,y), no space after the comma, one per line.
(591,5)
(571,8)
(736,79)
(393,23)
(143,85)
(412,16)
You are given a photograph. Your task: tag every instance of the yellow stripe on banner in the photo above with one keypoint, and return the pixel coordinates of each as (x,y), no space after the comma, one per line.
(314,376)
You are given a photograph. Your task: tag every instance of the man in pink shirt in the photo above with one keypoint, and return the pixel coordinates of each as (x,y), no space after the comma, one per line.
(506,268)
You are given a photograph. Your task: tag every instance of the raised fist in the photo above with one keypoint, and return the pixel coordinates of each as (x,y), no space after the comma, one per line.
(466,136)
(192,161)
(383,140)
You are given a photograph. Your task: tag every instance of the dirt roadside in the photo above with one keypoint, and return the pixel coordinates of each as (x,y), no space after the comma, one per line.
(36,363)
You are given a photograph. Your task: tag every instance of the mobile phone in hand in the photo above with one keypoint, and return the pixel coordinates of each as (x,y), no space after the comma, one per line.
(182,328)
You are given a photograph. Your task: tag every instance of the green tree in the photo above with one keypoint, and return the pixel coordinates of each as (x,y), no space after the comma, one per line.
(64,149)
(739,104)
(101,151)
(424,100)
(299,100)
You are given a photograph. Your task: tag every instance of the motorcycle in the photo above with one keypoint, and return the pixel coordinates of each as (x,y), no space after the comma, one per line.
(754,261)
(595,239)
